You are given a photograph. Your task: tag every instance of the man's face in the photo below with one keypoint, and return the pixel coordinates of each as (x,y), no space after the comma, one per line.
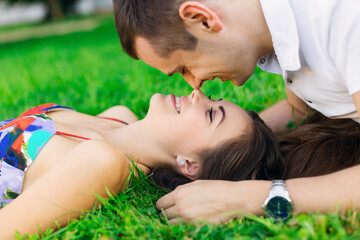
(229,60)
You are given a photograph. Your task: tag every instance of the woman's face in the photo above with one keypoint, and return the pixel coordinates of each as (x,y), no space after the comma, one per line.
(185,125)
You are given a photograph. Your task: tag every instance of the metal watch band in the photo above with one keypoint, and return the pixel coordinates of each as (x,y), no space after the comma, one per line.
(278,211)
(279,184)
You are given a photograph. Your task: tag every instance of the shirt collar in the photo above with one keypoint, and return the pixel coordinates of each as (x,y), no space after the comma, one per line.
(280,19)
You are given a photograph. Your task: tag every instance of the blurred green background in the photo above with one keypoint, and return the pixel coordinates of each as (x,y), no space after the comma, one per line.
(87,70)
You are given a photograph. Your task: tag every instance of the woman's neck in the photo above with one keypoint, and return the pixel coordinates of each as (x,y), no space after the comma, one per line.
(136,142)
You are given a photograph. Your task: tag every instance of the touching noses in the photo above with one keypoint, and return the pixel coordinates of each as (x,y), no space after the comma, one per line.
(196,96)
(194,82)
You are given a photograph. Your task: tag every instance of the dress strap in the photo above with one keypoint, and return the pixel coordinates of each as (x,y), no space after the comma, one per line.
(85,138)
(114,119)
(71,135)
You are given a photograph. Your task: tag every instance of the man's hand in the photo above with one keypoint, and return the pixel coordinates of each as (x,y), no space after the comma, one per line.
(219,201)
(214,201)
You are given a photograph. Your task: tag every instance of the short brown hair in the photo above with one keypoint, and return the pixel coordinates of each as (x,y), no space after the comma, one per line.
(157,21)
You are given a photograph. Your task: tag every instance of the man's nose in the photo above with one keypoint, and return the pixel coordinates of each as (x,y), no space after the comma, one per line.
(193,81)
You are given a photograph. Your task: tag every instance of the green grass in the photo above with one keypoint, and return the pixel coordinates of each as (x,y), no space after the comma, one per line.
(89,72)
(7,28)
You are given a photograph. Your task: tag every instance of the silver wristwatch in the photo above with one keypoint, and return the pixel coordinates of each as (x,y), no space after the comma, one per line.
(278,205)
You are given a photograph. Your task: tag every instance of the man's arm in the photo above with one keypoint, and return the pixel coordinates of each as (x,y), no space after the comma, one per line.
(356,98)
(291,109)
(219,201)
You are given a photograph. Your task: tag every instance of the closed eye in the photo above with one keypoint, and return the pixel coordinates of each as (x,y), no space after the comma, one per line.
(211,114)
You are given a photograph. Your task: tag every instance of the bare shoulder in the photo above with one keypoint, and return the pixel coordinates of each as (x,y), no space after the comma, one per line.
(99,148)
(109,162)
(120,112)
(93,156)
(98,154)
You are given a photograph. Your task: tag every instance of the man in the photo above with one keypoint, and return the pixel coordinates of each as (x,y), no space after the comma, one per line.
(312,43)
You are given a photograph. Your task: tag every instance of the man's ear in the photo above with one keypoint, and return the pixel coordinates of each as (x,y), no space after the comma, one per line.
(188,167)
(196,16)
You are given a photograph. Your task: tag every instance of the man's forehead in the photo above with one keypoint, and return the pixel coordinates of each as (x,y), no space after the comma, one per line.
(146,52)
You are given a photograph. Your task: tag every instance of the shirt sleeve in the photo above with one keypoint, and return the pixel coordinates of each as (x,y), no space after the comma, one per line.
(344,44)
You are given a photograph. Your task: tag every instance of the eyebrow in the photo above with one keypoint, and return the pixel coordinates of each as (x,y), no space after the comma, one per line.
(223,114)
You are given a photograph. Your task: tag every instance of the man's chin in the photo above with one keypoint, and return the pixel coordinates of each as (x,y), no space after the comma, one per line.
(238,83)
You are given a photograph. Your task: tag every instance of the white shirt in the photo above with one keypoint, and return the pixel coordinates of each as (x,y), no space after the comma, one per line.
(317,50)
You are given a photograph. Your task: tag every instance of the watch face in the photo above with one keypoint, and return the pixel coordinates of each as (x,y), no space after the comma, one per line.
(278,208)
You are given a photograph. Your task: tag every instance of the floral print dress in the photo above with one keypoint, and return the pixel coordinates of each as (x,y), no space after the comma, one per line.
(21,139)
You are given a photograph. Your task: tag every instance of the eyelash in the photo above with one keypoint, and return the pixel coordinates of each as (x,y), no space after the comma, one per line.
(217,100)
(210,114)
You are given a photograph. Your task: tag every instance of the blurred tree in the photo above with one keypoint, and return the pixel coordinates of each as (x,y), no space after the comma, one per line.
(56,9)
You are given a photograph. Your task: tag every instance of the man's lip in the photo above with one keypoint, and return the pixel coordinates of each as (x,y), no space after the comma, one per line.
(224,79)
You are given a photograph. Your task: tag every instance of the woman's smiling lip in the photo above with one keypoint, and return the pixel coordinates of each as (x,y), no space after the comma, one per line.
(182,100)
(177,102)
(173,100)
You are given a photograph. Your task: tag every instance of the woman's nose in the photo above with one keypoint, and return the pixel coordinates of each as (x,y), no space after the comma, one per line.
(196,96)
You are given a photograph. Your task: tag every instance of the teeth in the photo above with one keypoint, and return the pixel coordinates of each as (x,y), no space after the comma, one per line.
(177,104)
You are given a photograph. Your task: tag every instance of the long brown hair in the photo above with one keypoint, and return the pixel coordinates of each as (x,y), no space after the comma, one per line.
(320,146)
(253,155)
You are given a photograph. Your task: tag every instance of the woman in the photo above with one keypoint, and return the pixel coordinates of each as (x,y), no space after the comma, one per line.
(318,146)
(82,155)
